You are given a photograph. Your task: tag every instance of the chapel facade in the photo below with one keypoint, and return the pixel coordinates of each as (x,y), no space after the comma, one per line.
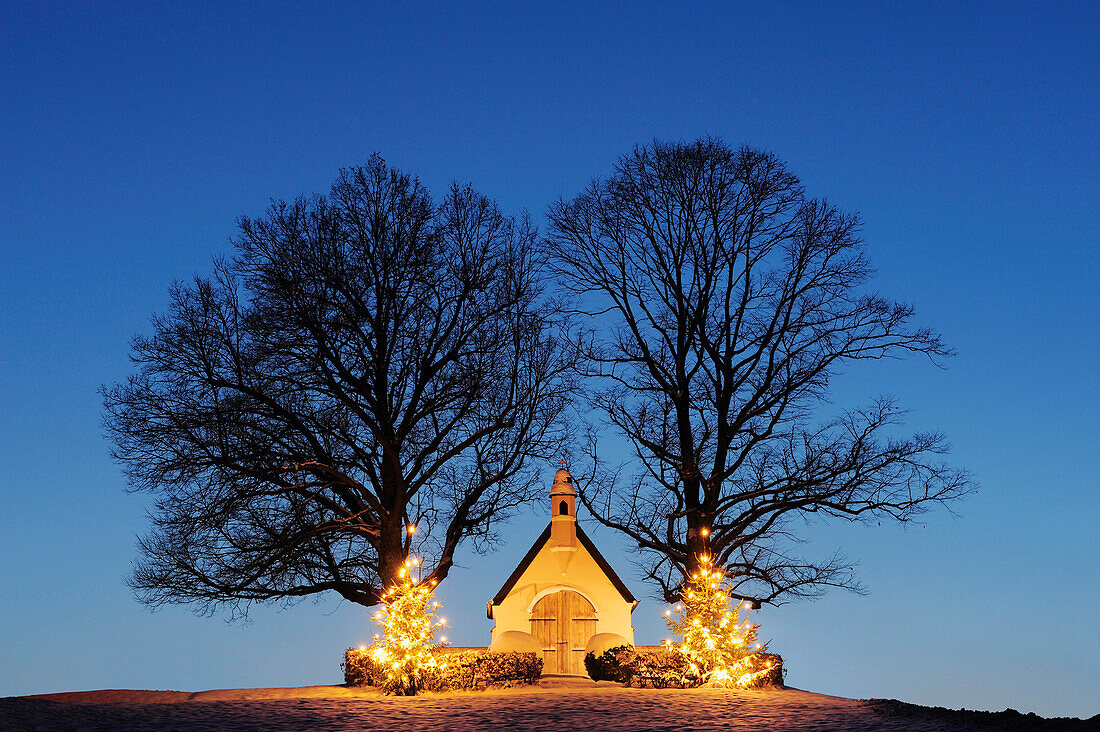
(563,599)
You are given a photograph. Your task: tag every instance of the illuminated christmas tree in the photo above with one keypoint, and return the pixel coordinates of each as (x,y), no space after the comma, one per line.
(719,641)
(405,652)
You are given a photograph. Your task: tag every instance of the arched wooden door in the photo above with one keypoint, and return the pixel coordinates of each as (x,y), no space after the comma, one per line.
(563,622)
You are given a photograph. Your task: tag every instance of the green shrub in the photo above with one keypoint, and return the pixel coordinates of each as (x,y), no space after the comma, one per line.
(455,671)
(360,669)
(608,666)
(503,668)
(773,677)
(627,665)
(666,668)
(663,669)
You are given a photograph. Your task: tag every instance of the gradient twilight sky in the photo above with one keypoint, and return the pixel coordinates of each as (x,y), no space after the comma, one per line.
(965,134)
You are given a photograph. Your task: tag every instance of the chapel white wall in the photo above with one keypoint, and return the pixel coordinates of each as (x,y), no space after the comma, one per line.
(579,573)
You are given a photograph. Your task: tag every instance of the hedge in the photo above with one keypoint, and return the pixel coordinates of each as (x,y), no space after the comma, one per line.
(662,669)
(463,670)
(611,665)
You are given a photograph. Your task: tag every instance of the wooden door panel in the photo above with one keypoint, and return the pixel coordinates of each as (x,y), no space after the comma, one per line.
(580,630)
(545,629)
(563,622)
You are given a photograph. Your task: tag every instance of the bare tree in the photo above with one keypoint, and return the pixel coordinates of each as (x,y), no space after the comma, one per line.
(727,299)
(367,362)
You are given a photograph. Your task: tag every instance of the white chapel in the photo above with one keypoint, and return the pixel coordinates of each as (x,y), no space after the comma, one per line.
(564,598)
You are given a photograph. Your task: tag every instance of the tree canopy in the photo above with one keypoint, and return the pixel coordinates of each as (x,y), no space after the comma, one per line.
(720,300)
(370,374)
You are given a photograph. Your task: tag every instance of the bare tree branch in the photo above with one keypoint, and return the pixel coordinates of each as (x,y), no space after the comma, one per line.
(368,360)
(727,300)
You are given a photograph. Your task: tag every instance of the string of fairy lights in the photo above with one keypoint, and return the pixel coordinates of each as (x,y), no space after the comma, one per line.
(718,639)
(406,651)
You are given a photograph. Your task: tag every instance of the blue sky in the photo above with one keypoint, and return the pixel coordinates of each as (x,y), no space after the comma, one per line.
(964,134)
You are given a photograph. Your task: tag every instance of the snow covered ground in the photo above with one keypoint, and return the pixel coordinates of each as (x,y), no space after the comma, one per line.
(557,703)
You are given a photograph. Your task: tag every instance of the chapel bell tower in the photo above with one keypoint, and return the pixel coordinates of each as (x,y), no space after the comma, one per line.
(563,510)
(563,600)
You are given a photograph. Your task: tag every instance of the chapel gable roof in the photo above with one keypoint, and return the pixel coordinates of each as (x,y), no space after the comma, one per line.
(537,547)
